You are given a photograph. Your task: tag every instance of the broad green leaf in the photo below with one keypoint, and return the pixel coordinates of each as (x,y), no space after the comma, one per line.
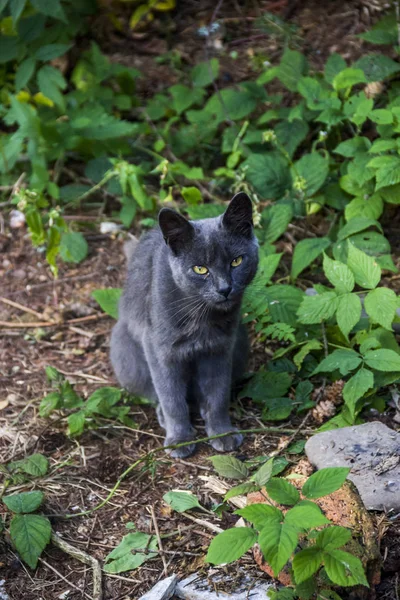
(277,218)
(241,489)
(382,116)
(292,66)
(351,147)
(230,545)
(8,48)
(51,51)
(277,542)
(306,563)
(314,93)
(389,173)
(277,409)
(381,305)
(383,146)
(24,502)
(260,515)
(297,447)
(204,73)
(391,194)
(356,225)
(367,207)
(101,399)
(348,312)
(24,72)
(264,473)
(268,173)
(341,360)
(344,569)
(73,247)
(16,8)
(306,515)
(290,134)
(377,67)
(314,169)
(382,32)
(282,491)
(266,384)
(108,300)
(51,8)
(231,104)
(358,107)
(30,535)
(36,465)
(333,66)
(383,360)
(50,81)
(338,274)
(283,304)
(306,251)
(191,195)
(305,350)
(131,553)
(347,78)
(76,423)
(325,481)
(184,97)
(315,309)
(229,467)
(49,403)
(367,272)
(356,387)
(333,537)
(181,501)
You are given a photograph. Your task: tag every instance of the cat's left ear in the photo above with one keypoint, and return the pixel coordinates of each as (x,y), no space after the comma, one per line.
(238,217)
(177,230)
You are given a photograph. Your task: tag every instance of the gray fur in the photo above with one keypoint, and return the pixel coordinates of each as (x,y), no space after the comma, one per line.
(178,340)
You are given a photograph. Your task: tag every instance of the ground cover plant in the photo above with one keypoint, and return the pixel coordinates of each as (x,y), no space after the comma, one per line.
(91,150)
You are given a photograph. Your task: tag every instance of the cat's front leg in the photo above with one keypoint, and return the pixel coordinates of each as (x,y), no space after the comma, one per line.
(213,379)
(170,383)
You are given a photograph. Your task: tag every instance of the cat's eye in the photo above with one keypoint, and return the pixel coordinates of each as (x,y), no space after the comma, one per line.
(237,261)
(200,270)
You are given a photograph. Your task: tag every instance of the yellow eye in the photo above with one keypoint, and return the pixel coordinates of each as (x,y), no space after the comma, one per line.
(237,261)
(200,270)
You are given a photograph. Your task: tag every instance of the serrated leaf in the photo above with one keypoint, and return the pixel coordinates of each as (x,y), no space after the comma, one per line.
(344,569)
(290,134)
(349,148)
(266,384)
(76,423)
(277,542)
(357,224)
(306,563)
(49,403)
(102,398)
(368,207)
(383,360)
(282,491)
(356,387)
(348,77)
(181,501)
(260,515)
(306,251)
(24,72)
(306,515)
(348,312)
(377,67)
(241,489)
(24,502)
(184,97)
(264,473)
(73,247)
(229,467)
(268,173)
(51,8)
(36,465)
(325,481)
(292,66)
(333,66)
(341,360)
(338,274)
(277,218)
(333,537)
(230,545)
(128,556)
(315,309)
(305,350)
(381,305)
(30,535)
(314,169)
(283,303)
(51,51)
(108,300)
(204,73)
(367,272)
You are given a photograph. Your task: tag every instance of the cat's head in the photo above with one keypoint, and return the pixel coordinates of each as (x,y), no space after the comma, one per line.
(212,259)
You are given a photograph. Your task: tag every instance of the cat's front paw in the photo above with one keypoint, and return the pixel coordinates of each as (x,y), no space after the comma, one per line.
(228,442)
(182,452)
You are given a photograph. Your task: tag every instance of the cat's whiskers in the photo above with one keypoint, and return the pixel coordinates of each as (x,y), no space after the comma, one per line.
(193,308)
(189,305)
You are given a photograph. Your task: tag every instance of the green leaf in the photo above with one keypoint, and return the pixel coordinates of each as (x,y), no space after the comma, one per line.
(282,491)
(264,473)
(356,387)
(325,481)
(231,104)
(377,67)
(314,169)
(315,309)
(306,515)
(73,247)
(277,217)
(51,51)
(305,350)
(230,545)
(51,8)
(367,272)
(277,542)
(383,360)
(229,467)
(241,489)
(349,148)
(36,465)
(338,274)
(131,553)
(76,423)
(24,502)
(283,304)
(382,116)
(260,515)
(333,66)
(16,8)
(344,569)
(102,398)
(204,73)
(30,535)
(358,107)
(8,49)
(391,194)
(50,81)
(381,305)
(290,134)
(306,563)
(348,312)
(368,207)
(383,32)
(268,173)
(292,66)
(341,360)
(191,195)
(181,501)
(333,537)
(306,251)
(347,78)
(24,72)
(357,224)
(50,403)
(266,384)
(184,97)
(277,409)
(388,173)
(108,300)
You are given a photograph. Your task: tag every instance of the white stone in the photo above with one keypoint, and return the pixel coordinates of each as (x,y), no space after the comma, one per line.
(196,588)
(163,590)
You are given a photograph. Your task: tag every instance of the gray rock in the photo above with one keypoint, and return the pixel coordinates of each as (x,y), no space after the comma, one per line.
(163,590)
(372,451)
(196,588)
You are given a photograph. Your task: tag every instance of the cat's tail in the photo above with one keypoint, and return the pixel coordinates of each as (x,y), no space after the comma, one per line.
(130,246)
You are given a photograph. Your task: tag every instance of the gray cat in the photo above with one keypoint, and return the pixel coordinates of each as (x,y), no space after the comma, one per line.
(178,339)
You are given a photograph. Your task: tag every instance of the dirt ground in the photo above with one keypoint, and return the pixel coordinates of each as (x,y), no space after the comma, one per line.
(83,471)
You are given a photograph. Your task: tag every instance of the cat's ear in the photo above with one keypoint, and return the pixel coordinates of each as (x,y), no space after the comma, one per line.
(238,217)
(177,230)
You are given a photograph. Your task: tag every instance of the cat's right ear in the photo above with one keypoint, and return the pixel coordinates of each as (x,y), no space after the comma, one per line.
(177,230)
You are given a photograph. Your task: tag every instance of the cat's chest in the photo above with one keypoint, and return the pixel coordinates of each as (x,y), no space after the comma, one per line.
(209,339)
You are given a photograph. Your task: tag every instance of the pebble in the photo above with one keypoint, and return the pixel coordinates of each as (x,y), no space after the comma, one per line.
(372,451)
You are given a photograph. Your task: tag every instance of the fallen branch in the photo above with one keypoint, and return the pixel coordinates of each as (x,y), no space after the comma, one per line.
(21,307)
(85,558)
(35,324)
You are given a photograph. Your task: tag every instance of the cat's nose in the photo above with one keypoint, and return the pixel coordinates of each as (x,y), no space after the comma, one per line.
(225,290)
